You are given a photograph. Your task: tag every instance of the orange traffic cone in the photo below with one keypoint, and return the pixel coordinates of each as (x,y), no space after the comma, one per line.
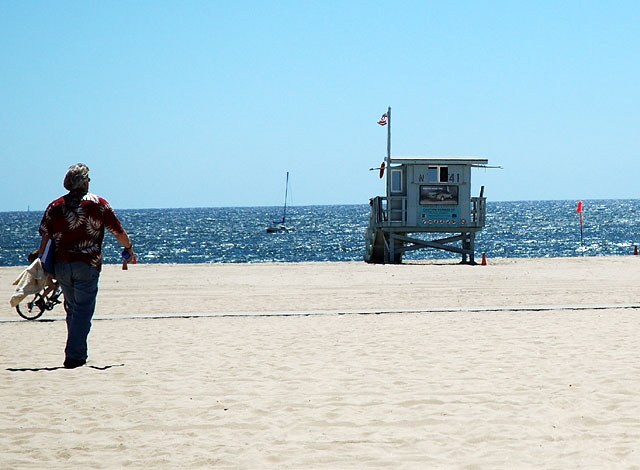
(484,260)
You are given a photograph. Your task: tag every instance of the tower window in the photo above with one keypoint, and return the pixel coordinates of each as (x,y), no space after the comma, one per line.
(438,174)
(396,181)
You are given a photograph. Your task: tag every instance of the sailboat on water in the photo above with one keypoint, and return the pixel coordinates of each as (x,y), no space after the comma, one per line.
(280,226)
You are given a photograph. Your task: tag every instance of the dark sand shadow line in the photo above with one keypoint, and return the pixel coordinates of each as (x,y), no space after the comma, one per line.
(40,369)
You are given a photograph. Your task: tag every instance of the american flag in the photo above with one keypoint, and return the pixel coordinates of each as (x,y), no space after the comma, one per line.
(383,120)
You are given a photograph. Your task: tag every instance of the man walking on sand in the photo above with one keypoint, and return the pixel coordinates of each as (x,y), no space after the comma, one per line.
(76,222)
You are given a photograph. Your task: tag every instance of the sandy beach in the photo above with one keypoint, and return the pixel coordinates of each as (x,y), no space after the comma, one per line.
(523,363)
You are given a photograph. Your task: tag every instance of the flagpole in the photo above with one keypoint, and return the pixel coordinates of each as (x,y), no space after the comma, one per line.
(581,237)
(388,153)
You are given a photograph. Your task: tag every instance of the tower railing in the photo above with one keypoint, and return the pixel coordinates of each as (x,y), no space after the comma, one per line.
(392,212)
(389,211)
(478,211)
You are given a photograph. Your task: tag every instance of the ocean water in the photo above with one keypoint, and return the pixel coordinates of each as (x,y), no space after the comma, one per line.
(336,233)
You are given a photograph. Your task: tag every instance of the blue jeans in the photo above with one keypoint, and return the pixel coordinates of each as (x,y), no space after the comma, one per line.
(79,283)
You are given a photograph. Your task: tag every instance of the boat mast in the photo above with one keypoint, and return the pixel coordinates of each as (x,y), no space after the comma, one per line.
(286,189)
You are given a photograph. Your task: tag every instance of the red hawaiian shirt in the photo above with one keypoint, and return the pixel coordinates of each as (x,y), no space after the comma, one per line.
(76,222)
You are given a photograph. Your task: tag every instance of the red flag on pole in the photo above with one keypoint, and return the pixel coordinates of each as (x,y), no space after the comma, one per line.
(579,211)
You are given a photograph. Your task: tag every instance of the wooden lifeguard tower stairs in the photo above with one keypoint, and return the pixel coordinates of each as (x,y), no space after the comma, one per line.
(426,195)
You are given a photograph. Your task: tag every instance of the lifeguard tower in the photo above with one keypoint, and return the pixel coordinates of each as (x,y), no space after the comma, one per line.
(425,195)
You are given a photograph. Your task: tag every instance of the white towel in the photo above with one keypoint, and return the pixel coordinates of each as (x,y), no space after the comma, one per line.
(31,280)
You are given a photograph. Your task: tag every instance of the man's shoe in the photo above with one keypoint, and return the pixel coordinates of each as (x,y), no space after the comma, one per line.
(71,363)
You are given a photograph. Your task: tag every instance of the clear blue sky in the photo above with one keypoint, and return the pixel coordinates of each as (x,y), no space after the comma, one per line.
(209,103)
